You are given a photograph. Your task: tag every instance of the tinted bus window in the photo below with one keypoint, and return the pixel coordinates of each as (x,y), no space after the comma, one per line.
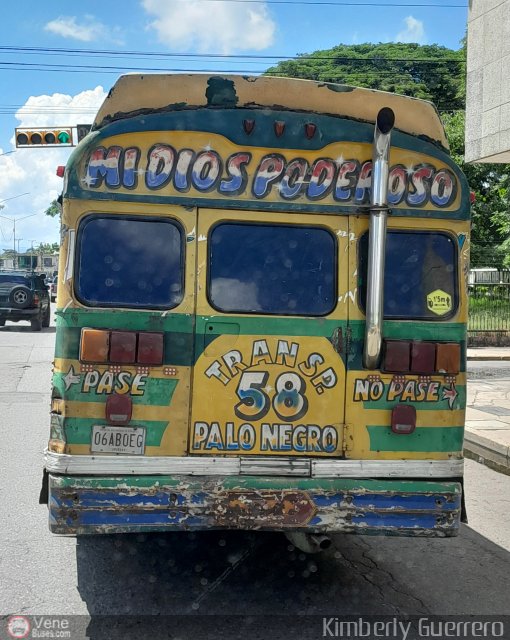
(272,269)
(421,267)
(129,262)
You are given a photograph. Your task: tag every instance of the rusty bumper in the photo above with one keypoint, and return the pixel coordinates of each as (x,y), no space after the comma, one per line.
(83,505)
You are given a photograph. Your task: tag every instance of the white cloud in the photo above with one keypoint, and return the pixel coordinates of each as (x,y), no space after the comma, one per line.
(414,31)
(211,27)
(33,170)
(68,27)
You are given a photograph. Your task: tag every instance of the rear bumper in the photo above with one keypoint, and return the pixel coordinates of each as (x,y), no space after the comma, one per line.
(18,314)
(107,504)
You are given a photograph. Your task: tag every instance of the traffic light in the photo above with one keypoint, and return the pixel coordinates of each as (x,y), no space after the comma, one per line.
(44,137)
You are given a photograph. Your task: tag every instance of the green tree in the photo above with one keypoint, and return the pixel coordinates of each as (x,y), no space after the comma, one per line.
(47,247)
(490,183)
(432,73)
(54,209)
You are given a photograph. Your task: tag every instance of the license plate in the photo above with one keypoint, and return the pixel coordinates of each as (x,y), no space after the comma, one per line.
(108,439)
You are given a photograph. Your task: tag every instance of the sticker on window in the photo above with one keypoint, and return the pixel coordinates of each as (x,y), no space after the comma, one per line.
(439,302)
(420,275)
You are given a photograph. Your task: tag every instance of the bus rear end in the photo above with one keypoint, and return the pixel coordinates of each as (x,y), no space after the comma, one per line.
(211,366)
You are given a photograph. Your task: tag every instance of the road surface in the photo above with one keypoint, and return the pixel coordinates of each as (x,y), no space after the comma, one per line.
(216,572)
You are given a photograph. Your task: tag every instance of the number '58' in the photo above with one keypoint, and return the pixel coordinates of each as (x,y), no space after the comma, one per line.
(289,401)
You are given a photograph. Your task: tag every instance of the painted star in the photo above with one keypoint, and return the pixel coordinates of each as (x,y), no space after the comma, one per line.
(71,378)
(88,180)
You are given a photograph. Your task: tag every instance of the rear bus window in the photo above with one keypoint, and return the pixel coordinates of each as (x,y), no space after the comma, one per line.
(420,275)
(129,262)
(272,269)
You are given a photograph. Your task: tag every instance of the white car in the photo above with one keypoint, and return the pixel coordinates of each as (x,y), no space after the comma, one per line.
(53,288)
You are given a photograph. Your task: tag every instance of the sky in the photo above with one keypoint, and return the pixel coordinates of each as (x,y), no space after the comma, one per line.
(59,59)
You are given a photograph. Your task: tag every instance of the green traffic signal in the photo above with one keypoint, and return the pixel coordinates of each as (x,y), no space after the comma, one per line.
(64,137)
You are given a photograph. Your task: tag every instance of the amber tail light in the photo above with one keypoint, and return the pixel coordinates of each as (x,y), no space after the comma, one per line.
(95,345)
(421,357)
(448,358)
(121,347)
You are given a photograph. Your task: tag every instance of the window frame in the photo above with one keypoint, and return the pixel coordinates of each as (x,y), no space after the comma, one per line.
(138,218)
(456,296)
(230,222)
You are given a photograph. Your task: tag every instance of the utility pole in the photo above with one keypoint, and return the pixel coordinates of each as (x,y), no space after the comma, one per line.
(13,220)
(33,253)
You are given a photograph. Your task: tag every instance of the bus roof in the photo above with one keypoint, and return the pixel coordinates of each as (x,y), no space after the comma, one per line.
(135,93)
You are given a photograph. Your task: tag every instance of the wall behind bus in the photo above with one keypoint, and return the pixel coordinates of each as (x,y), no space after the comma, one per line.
(488,82)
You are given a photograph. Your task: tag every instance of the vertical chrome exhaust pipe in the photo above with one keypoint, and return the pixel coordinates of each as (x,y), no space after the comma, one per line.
(377,238)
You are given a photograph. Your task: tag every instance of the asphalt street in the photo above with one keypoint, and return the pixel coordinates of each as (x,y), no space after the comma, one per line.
(489,369)
(256,575)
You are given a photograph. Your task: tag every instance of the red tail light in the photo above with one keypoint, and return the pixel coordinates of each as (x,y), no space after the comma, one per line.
(150,348)
(123,347)
(35,300)
(397,356)
(423,357)
(119,409)
(403,419)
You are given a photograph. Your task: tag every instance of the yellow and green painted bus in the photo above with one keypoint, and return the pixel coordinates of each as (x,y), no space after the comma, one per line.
(261,313)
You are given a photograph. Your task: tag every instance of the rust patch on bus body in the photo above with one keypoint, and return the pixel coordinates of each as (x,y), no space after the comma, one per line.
(253,509)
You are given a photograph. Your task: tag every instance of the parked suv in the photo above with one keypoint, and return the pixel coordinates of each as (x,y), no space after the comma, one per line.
(24,296)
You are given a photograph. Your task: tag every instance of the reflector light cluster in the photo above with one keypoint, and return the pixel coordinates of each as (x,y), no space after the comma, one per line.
(121,347)
(406,356)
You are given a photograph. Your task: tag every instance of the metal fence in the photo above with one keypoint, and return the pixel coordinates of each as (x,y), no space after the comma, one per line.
(489,307)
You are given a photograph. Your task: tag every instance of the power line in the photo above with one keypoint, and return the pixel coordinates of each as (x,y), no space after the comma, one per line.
(66,68)
(162,55)
(350,4)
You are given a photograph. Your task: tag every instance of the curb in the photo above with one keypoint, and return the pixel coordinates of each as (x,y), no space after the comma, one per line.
(487,358)
(485,451)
